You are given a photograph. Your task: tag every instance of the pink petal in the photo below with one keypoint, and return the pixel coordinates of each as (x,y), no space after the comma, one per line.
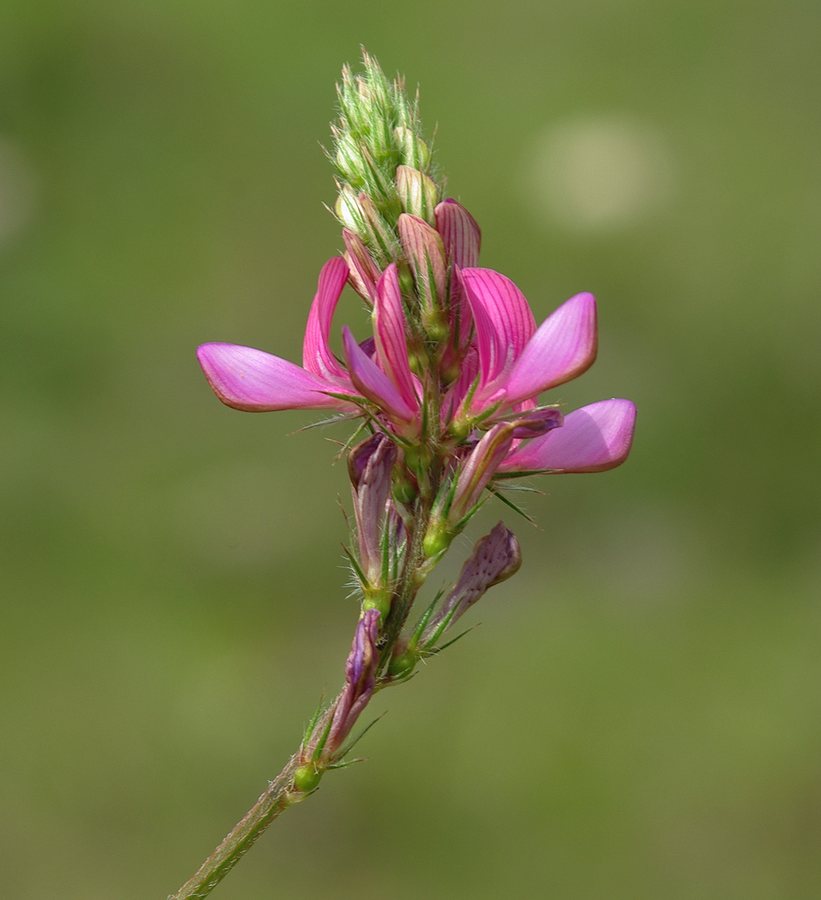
(255,381)
(504,322)
(316,351)
(363,270)
(391,337)
(372,382)
(592,439)
(564,346)
(460,233)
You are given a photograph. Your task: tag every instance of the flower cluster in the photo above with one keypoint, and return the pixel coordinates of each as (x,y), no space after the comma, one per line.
(449,386)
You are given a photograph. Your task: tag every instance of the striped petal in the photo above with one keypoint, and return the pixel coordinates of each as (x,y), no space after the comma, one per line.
(252,380)
(592,439)
(317,356)
(503,320)
(564,346)
(460,233)
(372,382)
(391,336)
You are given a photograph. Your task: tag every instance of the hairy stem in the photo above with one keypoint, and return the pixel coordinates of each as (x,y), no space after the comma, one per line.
(281,792)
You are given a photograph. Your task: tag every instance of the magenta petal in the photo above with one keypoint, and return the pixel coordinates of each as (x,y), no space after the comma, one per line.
(504,322)
(316,351)
(592,439)
(372,382)
(391,337)
(255,381)
(562,348)
(460,233)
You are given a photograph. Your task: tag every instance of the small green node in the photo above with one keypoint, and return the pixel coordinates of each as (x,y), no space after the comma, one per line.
(403,664)
(378,599)
(307,778)
(436,541)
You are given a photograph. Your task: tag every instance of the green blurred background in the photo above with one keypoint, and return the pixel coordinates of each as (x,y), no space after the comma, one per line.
(639,715)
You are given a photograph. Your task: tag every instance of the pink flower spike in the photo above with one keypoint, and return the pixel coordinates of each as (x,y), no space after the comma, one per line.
(504,322)
(594,438)
(563,347)
(317,356)
(460,233)
(254,381)
(391,336)
(372,382)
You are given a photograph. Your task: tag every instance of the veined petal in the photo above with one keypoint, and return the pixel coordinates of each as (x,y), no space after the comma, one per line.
(391,336)
(460,233)
(504,322)
(592,439)
(316,351)
(255,381)
(563,347)
(372,382)
(363,271)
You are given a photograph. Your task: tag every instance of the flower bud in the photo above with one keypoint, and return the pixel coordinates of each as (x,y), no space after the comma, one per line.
(413,150)
(417,193)
(425,252)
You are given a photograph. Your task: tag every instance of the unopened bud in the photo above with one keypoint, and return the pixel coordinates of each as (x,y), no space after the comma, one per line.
(425,253)
(418,192)
(413,149)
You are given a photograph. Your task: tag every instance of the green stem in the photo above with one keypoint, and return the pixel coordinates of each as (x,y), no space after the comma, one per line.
(275,799)
(281,793)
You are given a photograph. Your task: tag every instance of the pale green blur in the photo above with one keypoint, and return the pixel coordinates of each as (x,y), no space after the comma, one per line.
(639,715)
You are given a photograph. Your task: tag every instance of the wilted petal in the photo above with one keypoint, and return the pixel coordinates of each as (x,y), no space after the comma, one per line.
(563,347)
(255,381)
(503,320)
(370,464)
(360,679)
(391,336)
(494,558)
(316,351)
(460,233)
(372,382)
(592,439)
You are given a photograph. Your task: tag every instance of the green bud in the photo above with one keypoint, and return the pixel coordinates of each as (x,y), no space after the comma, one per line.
(418,193)
(307,778)
(414,150)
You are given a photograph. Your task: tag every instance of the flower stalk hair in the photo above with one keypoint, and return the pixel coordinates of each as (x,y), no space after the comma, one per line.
(446,402)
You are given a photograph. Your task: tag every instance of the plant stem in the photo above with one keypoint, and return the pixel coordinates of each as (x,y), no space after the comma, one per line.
(275,799)
(281,793)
